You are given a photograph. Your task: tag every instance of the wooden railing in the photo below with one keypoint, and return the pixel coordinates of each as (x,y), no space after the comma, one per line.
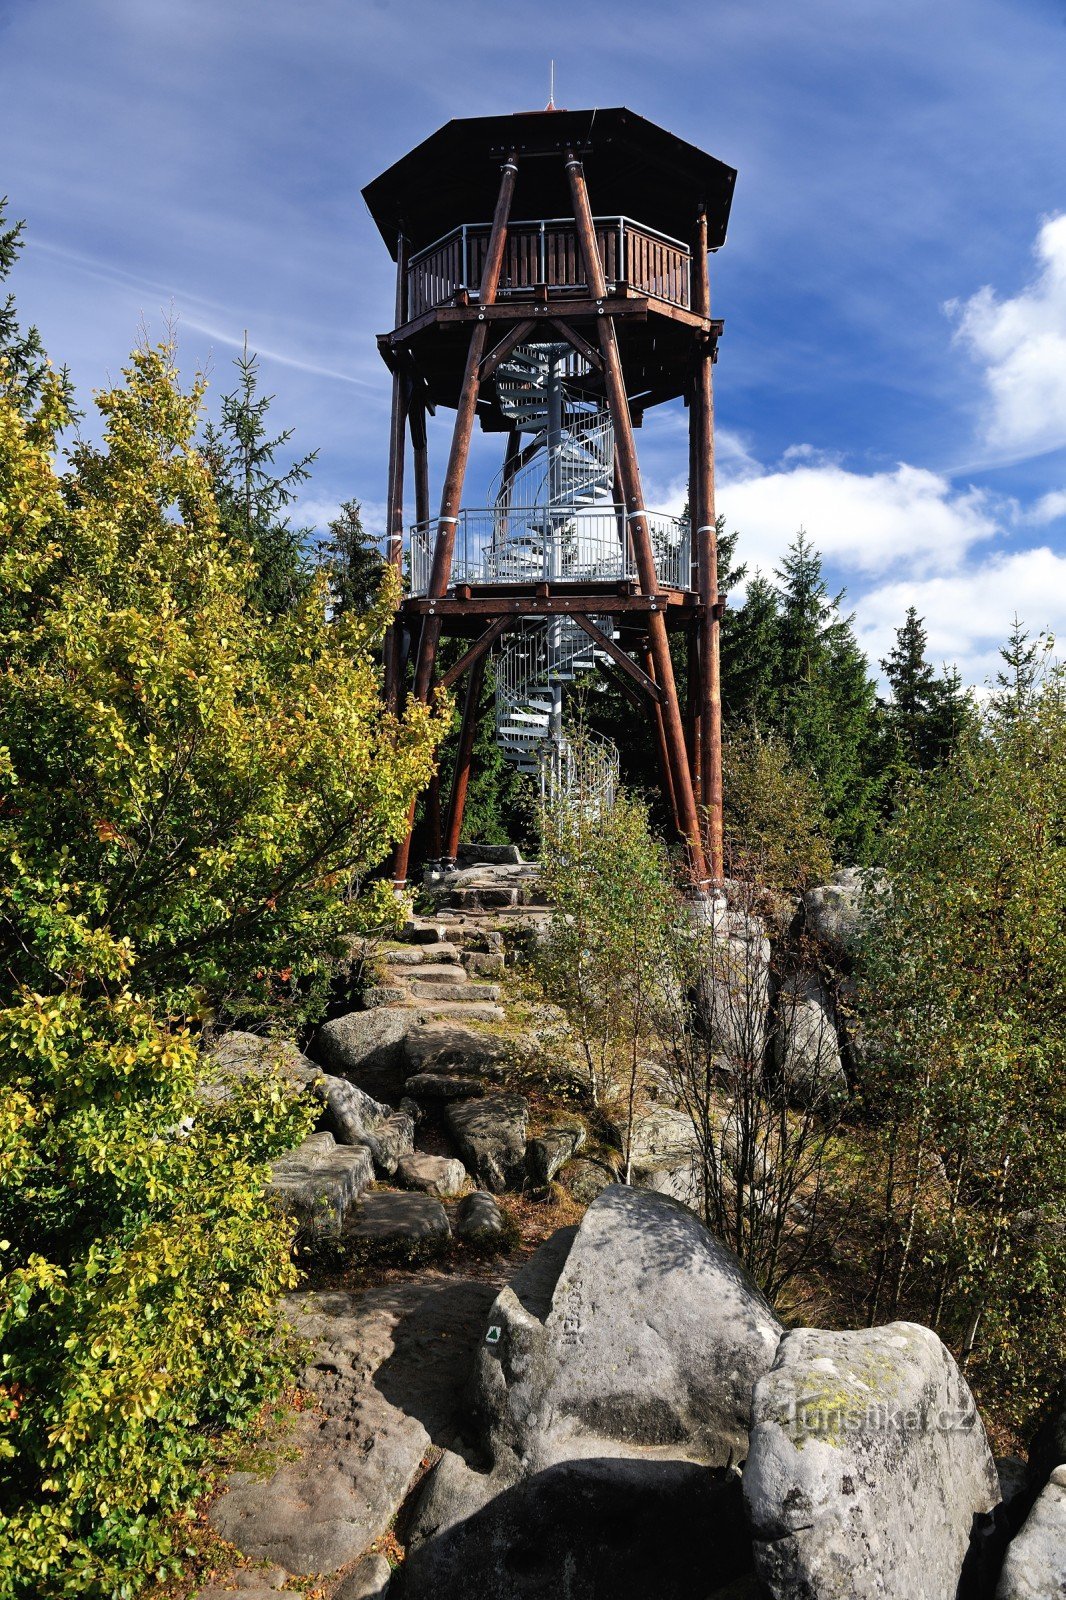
(546,253)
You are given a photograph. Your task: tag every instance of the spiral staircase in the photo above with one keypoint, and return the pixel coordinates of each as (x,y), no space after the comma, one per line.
(551,513)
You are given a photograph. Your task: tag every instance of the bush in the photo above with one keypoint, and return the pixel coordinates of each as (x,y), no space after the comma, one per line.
(191,796)
(774,821)
(963,998)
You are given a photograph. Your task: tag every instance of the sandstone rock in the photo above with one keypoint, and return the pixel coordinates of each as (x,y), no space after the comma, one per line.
(237,1055)
(479,1217)
(357,1118)
(369,1581)
(586,1179)
(661,1137)
(419,932)
(472,855)
(440,1046)
(868,1463)
(806,1047)
(319,1180)
(491,1136)
(486,964)
(441,1176)
(387,1375)
(1035,1565)
(366,1046)
(444,1086)
(549,1152)
(636,1331)
(589,1530)
(837,913)
(388,1218)
(733,994)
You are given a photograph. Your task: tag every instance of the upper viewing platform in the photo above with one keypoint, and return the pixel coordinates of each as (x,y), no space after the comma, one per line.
(546,254)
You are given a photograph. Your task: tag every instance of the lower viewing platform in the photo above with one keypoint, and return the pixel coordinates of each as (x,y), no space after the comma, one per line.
(576,544)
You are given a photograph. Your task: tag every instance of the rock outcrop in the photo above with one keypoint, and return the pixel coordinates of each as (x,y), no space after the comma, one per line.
(805,1043)
(367,1047)
(1035,1565)
(491,1136)
(868,1465)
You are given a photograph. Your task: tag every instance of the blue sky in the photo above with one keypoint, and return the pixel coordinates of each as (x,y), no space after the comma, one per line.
(893,373)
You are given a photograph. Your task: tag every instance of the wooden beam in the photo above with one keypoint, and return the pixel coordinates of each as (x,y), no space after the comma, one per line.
(624,686)
(444,546)
(478,649)
(618,655)
(481,605)
(710,695)
(677,770)
(463,760)
(582,346)
(505,347)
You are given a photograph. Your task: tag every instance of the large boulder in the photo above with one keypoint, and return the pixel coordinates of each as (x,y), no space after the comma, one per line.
(387,1220)
(320,1180)
(638,1331)
(357,1118)
(806,1047)
(491,1136)
(733,993)
(837,914)
(1035,1565)
(237,1056)
(551,1150)
(441,1176)
(448,1047)
(367,1047)
(867,1467)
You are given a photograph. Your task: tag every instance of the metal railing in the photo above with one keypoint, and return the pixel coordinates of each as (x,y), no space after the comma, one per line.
(580,775)
(563,544)
(547,252)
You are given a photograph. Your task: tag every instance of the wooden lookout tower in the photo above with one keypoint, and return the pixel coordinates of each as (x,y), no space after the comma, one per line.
(557,323)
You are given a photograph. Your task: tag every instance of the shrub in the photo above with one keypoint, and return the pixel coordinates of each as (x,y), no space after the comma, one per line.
(774,820)
(191,796)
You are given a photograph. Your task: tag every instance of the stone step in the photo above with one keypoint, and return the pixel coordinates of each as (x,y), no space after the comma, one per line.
(461,1010)
(461,993)
(320,1180)
(397,1217)
(436,975)
(423,955)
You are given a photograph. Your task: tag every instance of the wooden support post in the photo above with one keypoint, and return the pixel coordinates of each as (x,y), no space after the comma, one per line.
(420,451)
(692,708)
(710,707)
(466,410)
(669,794)
(677,767)
(397,431)
(444,547)
(463,759)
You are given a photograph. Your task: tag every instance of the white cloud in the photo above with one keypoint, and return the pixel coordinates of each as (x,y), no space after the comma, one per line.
(871,522)
(1049,508)
(968,614)
(1021,341)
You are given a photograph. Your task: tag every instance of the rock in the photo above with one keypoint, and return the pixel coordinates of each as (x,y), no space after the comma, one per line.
(388,1371)
(369,1581)
(586,1179)
(236,1056)
(443,1086)
(837,913)
(440,1046)
(472,855)
(485,964)
(1035,1565)
(733,994)
(589,1530)
(319,1180)
(418,932)
(491,1136)
(635,1331)
(868,1464)
(661,1137)
(550,1151)
(357,1118)
(806,1048)
(367,1047)
(411,1108)
(441,1176)
(479,1217)
(388,1218)
(383,994)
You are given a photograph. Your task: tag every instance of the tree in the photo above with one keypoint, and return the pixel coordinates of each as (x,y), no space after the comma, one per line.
(251,496)
(964,989)
(192,792)
(1026,661)
(927,714)
(21,351)
(751,658)
(351,561)
(825,697)
(775,826)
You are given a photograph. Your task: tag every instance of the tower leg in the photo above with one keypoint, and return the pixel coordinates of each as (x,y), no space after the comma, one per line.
(397,431)
(464,760)
(638,524)
(710,664)
(665,768)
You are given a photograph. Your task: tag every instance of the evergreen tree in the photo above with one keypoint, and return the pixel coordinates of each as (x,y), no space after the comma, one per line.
(826,697)
(351,561)
(252,494)
(927,713)
(22,352)
(751,657)
(1026,661)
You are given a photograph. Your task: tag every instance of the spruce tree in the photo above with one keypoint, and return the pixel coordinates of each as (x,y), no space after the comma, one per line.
(21,351)
(926,715)
(252,494)
(1026,661)
(351,560)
